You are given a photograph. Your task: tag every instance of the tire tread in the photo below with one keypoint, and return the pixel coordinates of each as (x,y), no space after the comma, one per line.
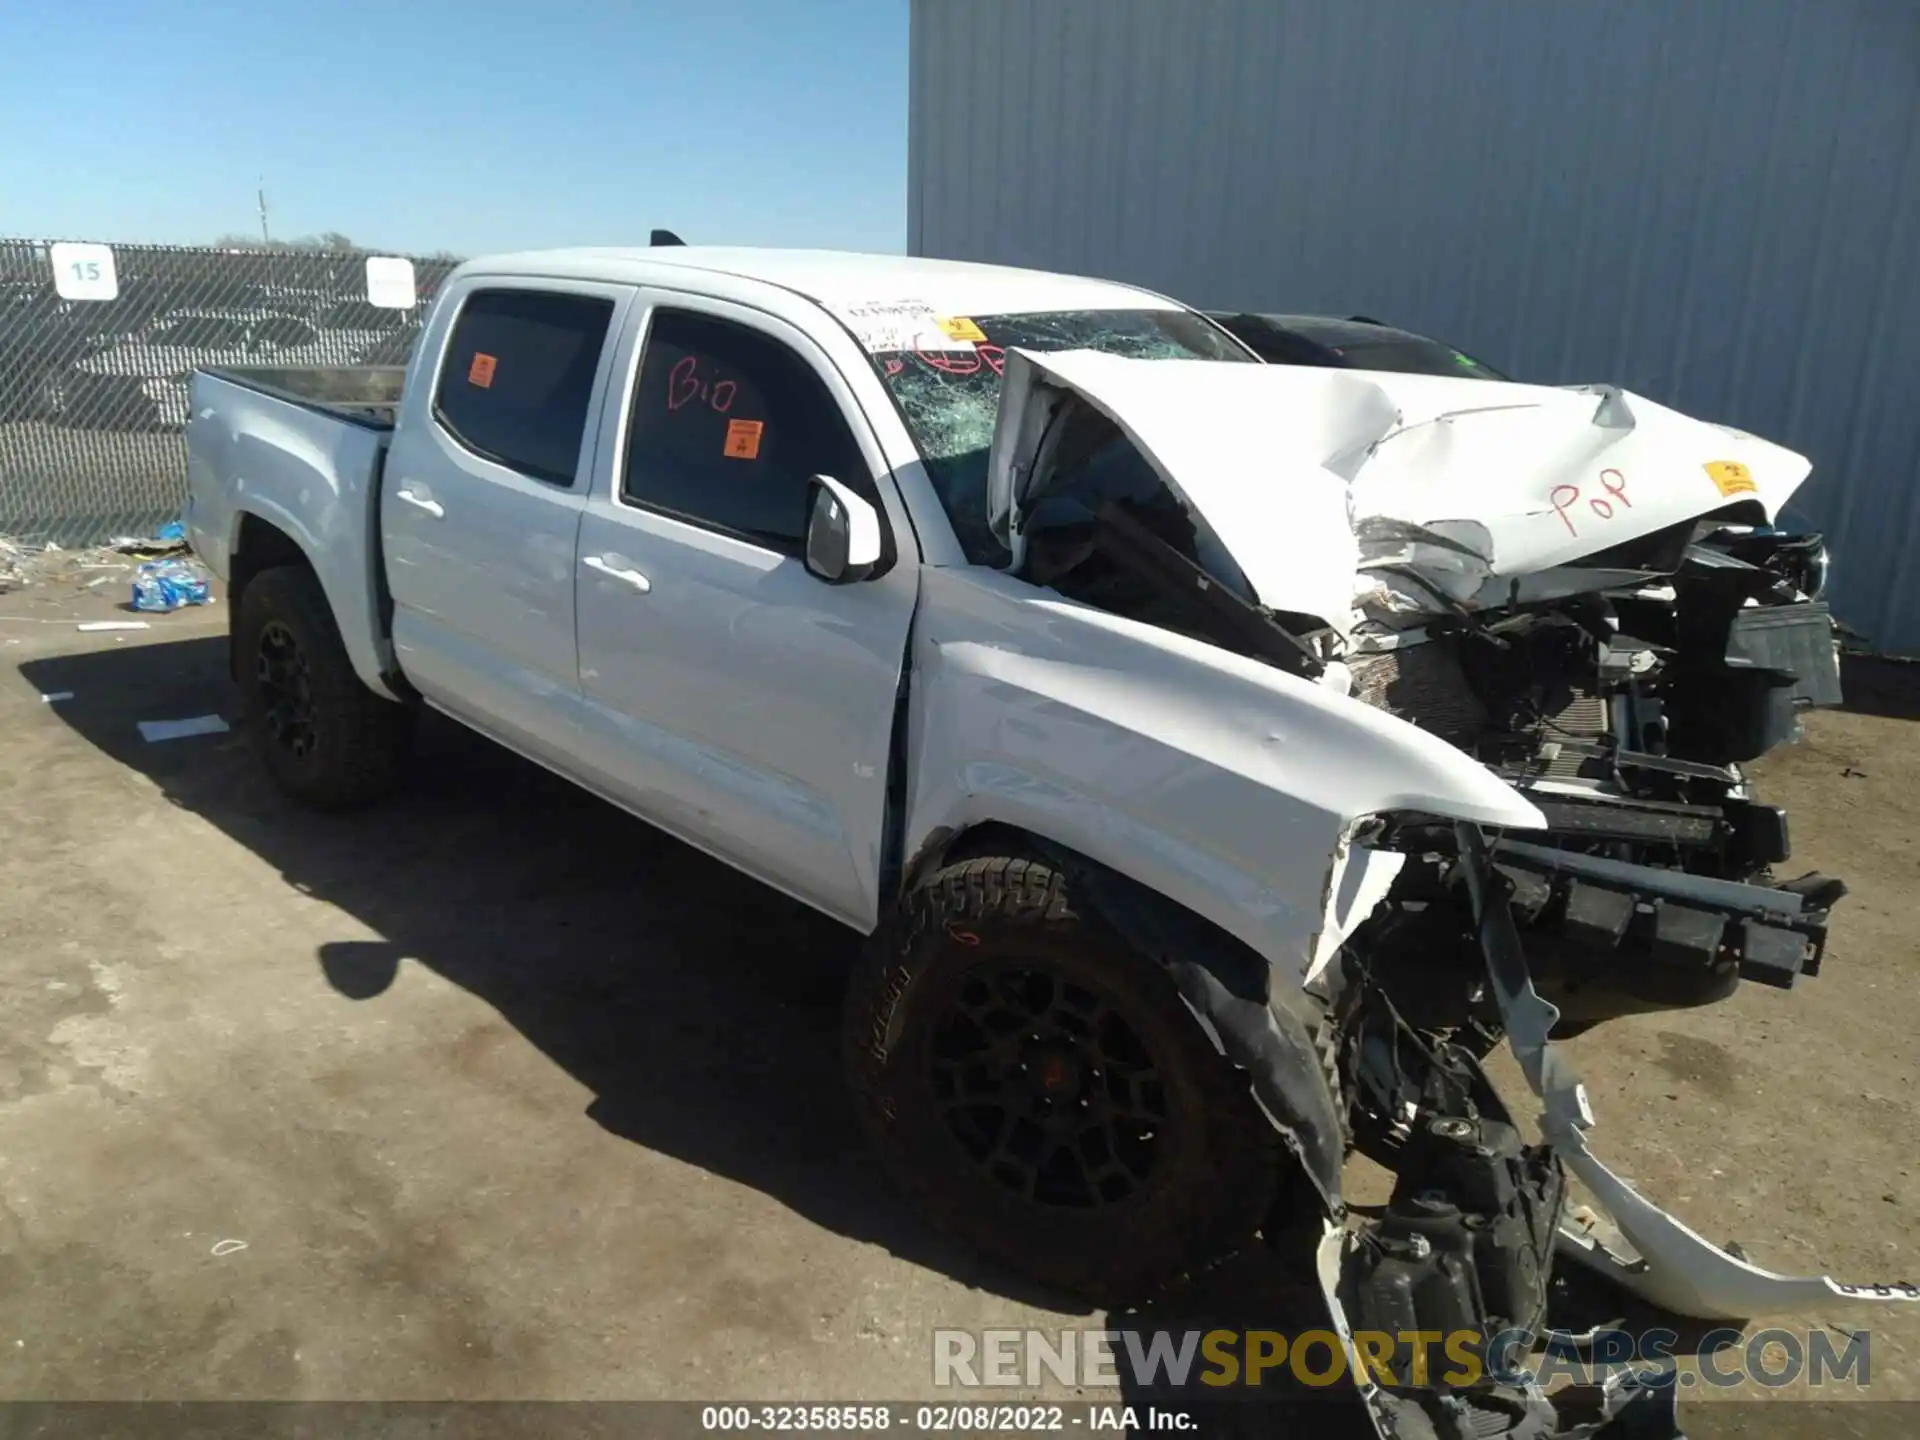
(1218,1210)
(364,740)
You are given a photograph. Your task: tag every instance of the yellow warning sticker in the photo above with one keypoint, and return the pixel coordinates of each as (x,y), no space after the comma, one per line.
(959,327)
(743,439)
(1730,477)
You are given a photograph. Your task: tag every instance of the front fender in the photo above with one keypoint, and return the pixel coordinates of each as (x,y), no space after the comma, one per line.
(1223,784)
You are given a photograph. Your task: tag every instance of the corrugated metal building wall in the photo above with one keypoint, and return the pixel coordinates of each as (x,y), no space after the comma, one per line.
(1713,202)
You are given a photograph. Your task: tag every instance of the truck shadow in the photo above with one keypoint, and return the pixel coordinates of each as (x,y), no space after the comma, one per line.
(700,1008)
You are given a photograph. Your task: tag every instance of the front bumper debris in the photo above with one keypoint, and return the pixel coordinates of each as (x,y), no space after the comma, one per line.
(1773,933)
(1673,1267)
(1657,1258)
(1631,1406)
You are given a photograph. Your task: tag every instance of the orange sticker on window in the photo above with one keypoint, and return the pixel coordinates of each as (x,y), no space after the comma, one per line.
(743,439)
(959,327)
(1730,477)
(480,372)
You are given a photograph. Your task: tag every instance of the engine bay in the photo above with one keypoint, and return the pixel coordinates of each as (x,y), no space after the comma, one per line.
(1626,717)
(1621,693)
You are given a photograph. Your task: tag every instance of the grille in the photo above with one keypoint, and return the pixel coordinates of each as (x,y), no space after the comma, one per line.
(1424,685)
(1583,717)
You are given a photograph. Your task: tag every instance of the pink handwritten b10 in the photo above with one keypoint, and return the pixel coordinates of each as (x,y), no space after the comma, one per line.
(685,384)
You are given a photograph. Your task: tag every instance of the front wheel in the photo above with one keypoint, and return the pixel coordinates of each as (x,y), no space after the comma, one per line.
(1039,1089)
(325,738)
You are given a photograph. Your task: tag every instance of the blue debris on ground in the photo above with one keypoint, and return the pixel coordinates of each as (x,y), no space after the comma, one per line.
(162,585)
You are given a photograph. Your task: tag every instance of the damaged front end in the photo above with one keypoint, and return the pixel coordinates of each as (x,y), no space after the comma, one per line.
(1436,979)
(1585,592)
(1467,1239)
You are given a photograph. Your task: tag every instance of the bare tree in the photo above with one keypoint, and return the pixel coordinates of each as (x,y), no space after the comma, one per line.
(326,240)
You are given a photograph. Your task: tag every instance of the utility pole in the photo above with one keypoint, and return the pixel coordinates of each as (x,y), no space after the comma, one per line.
(265,239)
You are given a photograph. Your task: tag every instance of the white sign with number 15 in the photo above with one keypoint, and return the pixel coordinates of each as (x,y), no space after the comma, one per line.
(84,272)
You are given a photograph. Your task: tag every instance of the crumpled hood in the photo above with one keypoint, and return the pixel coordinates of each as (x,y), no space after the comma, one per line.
(1343,492)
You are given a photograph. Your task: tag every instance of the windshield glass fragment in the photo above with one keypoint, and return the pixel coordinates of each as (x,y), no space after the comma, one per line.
(950,397)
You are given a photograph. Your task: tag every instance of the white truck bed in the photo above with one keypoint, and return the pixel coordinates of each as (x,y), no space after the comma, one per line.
(267,442)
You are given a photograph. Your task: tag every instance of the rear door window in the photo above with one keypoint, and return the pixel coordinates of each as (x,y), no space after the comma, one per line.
(517,379)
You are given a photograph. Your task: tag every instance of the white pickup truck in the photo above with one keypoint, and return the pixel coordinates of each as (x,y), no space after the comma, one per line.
(1222,757)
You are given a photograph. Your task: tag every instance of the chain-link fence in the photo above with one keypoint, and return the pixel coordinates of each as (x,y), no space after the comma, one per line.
(93,393)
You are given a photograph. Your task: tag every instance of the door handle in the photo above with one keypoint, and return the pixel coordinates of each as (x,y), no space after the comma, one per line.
(617,567)
(423,502)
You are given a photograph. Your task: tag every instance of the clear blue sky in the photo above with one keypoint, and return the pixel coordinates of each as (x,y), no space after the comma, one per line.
(467,125)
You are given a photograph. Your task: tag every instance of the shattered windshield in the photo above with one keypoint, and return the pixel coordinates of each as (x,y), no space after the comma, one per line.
(950,397)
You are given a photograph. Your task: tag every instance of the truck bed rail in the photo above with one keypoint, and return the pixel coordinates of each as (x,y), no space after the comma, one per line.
(363,394)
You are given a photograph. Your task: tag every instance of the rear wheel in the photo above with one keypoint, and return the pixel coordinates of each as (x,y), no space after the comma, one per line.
(325,738)
(1040,1090)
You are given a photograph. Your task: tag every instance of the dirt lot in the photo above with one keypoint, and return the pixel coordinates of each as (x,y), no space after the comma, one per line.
(508,1096)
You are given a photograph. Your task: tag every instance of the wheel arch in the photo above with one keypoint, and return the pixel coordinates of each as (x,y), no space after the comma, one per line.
(262,541)
(256,544)
(1253,1011)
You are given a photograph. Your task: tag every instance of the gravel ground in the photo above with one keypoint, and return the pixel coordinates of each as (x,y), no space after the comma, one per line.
(508,1096)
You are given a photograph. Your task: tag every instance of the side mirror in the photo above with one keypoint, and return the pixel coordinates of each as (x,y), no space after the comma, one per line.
(843,533)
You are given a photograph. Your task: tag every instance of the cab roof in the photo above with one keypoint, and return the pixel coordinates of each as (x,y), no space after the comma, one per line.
(835,277)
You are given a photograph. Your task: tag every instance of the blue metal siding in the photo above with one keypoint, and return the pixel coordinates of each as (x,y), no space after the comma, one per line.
(1713,202)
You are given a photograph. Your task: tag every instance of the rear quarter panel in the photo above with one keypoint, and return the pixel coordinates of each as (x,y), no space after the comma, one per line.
(311,475)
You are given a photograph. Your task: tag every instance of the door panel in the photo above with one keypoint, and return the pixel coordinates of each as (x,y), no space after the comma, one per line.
(481,504)
(484,595)
(733,697)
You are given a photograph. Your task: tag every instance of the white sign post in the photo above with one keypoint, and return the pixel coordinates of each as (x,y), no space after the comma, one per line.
(390,282)
(83,271)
